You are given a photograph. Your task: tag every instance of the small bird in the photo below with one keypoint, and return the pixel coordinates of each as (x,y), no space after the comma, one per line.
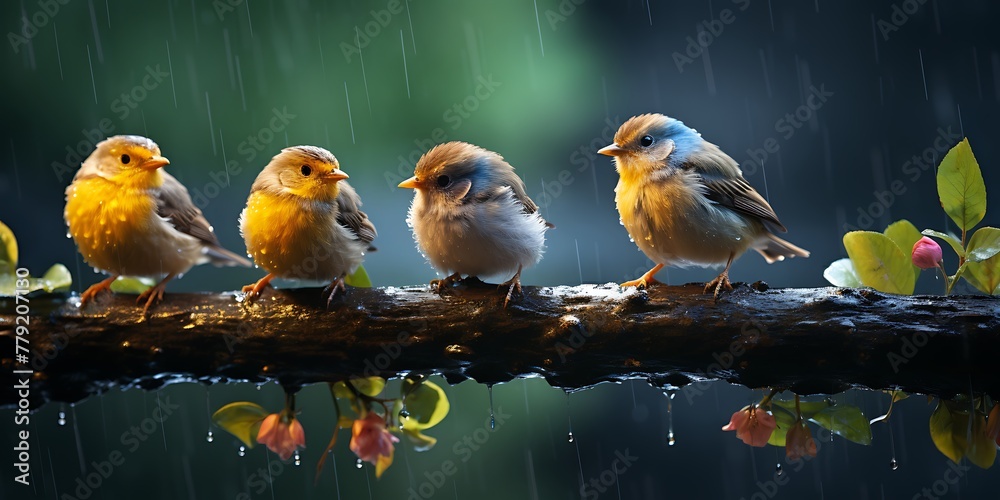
(470,215)
(303,221)
(130,218)
(684,201)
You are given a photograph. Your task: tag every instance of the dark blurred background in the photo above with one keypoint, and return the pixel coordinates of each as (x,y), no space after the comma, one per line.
(545,84)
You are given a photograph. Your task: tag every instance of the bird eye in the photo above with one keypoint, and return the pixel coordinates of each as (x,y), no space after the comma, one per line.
(646,141)
(125,159)
(443,180)
(306,170)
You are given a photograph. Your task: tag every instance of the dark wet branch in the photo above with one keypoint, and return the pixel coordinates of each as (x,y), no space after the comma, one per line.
(820,340)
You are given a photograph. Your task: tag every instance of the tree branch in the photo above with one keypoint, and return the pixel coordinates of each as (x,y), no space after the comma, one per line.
(818,340)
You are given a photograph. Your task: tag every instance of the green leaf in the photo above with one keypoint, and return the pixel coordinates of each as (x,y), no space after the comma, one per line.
(808,408)
(984,244)
(961,187)
(955,243)
(56,278)
(426,403)
(943,426)
(132,285)
(981,450)
(905,235)
(984,275)
(785,419)
(241,419)
(359,278)
(879,262)
(846,421)
(8,250)
(420,441)
(841,273)
(369,386)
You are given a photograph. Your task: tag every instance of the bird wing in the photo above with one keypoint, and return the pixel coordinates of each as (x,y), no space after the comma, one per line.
(736,194)
(351,217)
(174,204)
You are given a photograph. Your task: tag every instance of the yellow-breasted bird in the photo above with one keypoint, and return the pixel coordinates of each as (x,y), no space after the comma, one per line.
(130,218)
(685,202)
(303,221)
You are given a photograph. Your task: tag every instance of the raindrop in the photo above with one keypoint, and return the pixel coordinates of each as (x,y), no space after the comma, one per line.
(358,464)
(210,437)
(569,437)
(298,459)
(493,422)
(258,387)
(670,417)
(670,438)
(569,420)
(68,235)
(242,451)
(778,470)
(893,464)
(62,415)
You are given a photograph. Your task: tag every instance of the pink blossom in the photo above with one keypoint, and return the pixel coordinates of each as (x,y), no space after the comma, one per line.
(753,425)
(799,442)
(370,439)
(282,434)
(926,253)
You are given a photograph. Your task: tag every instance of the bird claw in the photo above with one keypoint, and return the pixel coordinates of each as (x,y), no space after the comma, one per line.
(512,285)
(719,283)
(331,290)
(252,292)
(441,285)
(96,289)
(642,283)
(151,297)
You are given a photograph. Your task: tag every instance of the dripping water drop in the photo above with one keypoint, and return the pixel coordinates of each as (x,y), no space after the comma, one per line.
(893,464)
(493,422)
(298,459)
(210,437)
(778,470)
(242,451)
(569,437)
(358,464)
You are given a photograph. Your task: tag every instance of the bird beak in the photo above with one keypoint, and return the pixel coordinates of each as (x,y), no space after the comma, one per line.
(411,183)
(613,150)
(335,175)
(154,163)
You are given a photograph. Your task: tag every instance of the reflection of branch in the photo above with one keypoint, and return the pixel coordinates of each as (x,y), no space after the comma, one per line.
(807,340)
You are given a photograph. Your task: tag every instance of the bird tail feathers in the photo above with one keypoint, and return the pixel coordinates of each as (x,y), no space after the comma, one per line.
(774,249)
(220,257)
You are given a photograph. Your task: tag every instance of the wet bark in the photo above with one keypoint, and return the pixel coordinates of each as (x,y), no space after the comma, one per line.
(816,340)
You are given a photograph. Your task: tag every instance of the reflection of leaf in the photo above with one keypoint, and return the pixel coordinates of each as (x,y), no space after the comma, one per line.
(905,235)
(808,408)
(785,420)
(132,285)
(841,273)
(359,278)
(241,419)
(8,250)
(426,403)
(950,431)
(879,262)
(961,187)
(985,243)
(846,421)
(951,239)
(369,386)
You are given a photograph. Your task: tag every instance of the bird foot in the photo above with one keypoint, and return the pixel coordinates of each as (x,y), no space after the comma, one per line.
(91,293)
(331,290)
(151,297)
(252,292)
(719,283)
(513,289)
(646,280)
(441,285)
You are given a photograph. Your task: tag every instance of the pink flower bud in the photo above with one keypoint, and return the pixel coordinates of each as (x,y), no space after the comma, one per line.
(926,253)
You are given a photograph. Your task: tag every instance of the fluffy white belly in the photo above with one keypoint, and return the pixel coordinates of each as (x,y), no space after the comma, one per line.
(479,239)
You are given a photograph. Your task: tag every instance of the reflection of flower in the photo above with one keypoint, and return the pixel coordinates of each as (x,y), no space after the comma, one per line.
(993,424)
(753,425)
(370,439)
(926,253)
(799,442)
(282,434)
